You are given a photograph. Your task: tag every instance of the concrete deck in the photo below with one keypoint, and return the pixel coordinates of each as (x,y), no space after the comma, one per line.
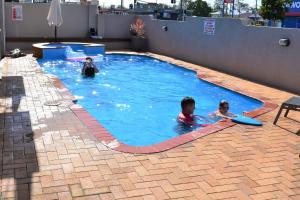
(47,153)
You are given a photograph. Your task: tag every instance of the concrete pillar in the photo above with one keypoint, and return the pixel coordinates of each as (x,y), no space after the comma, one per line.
(101,25)
(2,29)
(93,10)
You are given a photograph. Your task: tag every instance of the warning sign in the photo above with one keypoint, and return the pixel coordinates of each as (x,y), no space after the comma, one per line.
(17,12)
(209,27)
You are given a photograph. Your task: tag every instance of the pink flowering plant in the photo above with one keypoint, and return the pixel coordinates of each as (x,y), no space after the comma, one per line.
(138,28)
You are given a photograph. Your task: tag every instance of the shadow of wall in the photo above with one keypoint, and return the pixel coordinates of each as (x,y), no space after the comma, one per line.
(18,154)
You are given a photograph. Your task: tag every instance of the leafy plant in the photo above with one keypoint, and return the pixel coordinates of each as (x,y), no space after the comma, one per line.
(239,5)
(199,8)
(274,9)
(242,6)
(138,28)
(218,5)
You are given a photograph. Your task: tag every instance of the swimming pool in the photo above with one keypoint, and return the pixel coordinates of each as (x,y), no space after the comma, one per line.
(137,98)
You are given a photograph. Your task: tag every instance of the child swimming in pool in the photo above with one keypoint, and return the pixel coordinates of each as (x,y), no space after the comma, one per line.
(89,68)
(223,111)
(187,116)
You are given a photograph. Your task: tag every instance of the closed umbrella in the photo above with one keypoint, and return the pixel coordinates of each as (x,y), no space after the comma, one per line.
(54,16)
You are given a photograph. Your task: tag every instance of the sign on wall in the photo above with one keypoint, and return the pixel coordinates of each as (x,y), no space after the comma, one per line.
(228,1)
(294,8)
(17,12)
(209,27)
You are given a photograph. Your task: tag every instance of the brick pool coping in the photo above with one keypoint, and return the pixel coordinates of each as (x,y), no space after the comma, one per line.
(110,141)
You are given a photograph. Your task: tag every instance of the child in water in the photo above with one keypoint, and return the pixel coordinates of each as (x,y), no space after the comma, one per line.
(223,111)
(89,68)
(187,116)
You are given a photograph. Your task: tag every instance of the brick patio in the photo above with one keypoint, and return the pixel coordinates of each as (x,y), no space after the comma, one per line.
(47,153)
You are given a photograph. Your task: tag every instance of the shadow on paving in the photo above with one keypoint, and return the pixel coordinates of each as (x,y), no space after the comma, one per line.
(13,87)
(18,154)
(285,121)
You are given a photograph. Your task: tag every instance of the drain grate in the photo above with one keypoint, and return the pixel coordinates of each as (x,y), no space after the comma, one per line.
(52,103)
(61,103)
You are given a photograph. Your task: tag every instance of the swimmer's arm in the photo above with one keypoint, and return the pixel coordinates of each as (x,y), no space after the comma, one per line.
(181,120)
(225,116)
(203,125)
(201,118)
(83,69)
(213,115)
(218,114)
(95,68)
(231,115)
(184,121)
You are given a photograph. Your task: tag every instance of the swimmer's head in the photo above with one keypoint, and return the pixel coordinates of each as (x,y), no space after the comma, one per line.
(188,105)
(88,59)
(223,106)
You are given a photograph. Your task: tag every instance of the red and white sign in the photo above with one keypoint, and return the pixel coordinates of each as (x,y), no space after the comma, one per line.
(228,1)
(209,27)
(17,13)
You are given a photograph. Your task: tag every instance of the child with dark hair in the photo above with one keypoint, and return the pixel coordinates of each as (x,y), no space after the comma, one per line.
(223,110)
(187,116)
(187,111)
(89,68)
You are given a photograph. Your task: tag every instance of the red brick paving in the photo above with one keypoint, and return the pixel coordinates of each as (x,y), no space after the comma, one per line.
(47,153)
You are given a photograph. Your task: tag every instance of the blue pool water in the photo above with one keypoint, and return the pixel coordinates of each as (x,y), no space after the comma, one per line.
(137,98)
(72,50)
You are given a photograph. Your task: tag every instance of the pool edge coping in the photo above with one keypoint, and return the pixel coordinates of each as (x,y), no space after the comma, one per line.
(106,138)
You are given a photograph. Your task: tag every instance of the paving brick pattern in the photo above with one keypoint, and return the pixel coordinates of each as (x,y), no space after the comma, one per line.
(47,153)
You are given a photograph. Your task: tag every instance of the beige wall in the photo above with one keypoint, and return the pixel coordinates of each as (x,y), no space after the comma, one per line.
(2,30)
(77,20)
(114,26)
(249,52)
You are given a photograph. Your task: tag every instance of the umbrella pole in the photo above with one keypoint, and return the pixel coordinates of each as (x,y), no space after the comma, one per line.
(55,33)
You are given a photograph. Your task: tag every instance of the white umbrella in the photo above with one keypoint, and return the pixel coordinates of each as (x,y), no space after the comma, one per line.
(54,16)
